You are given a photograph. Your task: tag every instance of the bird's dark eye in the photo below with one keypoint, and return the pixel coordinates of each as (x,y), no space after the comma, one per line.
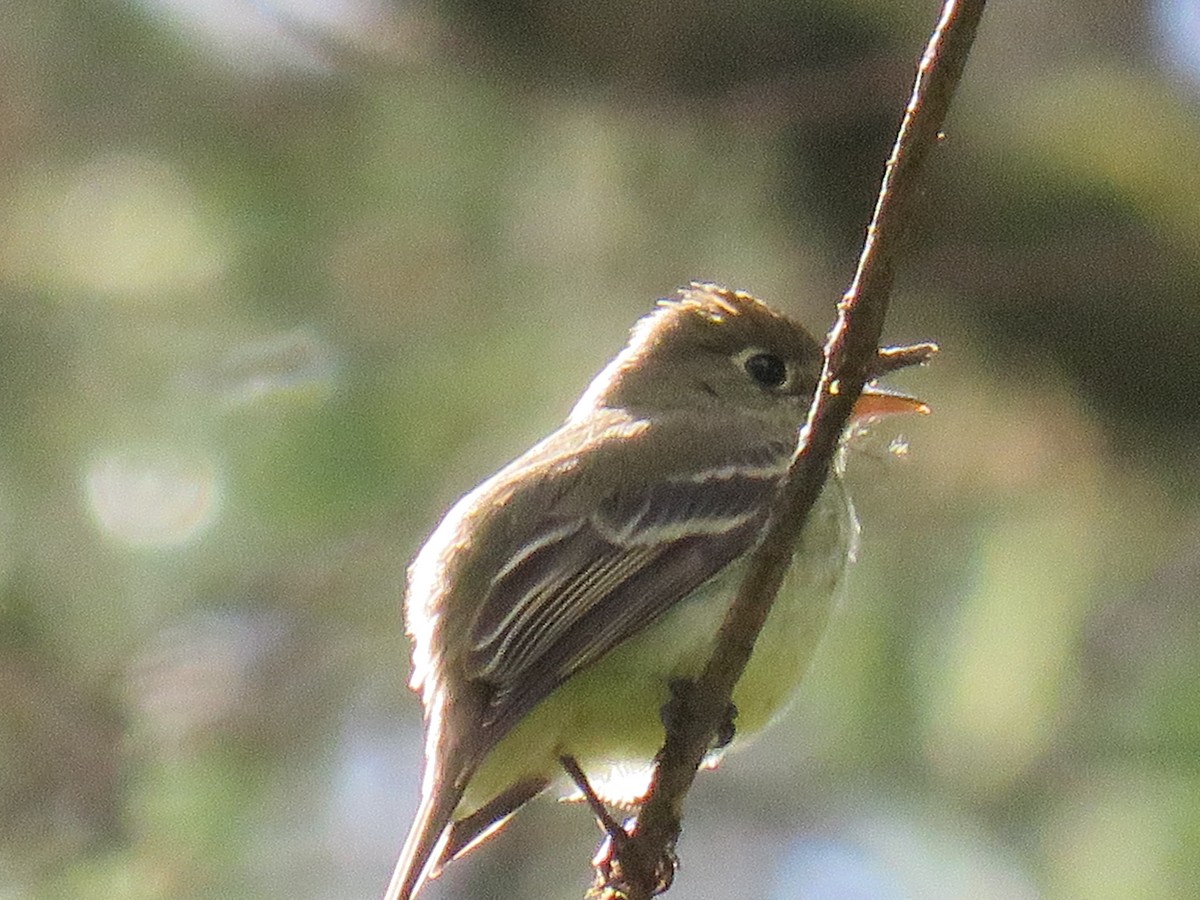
(767,369)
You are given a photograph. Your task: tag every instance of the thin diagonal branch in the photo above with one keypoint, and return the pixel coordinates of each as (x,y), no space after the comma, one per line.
(851,359)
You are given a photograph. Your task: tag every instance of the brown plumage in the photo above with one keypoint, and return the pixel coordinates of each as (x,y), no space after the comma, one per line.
(537,582)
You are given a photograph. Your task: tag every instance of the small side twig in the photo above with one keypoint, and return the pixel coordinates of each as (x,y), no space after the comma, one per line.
(893,359)
(851,359)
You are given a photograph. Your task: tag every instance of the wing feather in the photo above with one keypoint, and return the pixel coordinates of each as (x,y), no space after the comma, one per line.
(576,587)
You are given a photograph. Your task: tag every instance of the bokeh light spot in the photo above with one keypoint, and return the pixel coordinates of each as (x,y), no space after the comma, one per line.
(152,498)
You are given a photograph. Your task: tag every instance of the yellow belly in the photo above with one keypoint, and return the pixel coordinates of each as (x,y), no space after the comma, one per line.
(607,715)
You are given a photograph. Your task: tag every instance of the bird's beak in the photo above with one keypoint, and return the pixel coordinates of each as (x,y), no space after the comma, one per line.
(875,403)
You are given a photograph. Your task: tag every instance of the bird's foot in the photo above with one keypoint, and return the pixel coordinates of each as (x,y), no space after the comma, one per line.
(618,861)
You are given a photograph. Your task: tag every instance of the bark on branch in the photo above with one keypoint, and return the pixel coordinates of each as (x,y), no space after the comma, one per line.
(852,358)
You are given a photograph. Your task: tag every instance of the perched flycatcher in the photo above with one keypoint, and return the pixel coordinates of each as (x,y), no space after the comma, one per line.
(555,604)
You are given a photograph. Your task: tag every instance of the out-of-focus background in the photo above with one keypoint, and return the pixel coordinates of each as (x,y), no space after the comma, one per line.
(279,280)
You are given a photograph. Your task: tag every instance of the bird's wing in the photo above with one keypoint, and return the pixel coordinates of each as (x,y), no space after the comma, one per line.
(579,585)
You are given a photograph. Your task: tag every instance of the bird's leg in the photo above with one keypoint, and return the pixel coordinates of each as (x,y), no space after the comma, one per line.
(612,860)
(675,711)
(615,830)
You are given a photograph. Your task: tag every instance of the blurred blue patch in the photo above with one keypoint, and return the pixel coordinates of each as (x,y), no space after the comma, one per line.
(897,852)
(1177,29)
(826,868)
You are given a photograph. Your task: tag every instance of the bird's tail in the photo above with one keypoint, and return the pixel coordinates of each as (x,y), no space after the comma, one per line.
(426,839)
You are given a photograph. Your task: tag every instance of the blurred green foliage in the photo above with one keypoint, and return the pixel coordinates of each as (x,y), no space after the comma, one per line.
(278,281)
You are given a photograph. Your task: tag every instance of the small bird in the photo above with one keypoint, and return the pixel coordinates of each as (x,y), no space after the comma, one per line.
(557,606)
